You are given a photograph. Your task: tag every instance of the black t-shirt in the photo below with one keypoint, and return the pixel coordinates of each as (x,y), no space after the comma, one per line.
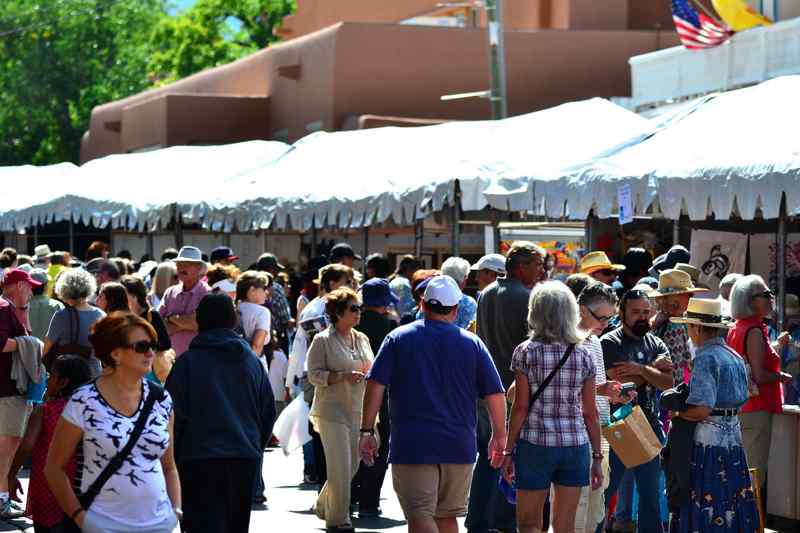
(620,348)
(375,326)
(164,342)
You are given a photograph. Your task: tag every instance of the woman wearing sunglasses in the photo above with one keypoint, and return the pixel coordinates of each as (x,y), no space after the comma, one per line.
(338,360)
(751,303)
(143,494)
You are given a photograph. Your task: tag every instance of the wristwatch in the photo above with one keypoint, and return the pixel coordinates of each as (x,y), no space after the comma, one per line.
(369,431)
(597,455)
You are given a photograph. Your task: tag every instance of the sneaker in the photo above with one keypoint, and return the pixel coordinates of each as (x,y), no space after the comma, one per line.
(9,510)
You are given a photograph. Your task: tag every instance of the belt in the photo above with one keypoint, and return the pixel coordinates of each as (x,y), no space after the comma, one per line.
(724,412)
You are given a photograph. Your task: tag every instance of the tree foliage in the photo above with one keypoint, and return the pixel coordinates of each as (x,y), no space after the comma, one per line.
(61,58)
(214,32)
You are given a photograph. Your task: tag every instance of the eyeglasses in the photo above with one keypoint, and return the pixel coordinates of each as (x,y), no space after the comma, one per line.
(143,346)
(355,308)
(599,318)
(768,294)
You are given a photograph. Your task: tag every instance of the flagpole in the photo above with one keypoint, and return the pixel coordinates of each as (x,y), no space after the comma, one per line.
(708,13)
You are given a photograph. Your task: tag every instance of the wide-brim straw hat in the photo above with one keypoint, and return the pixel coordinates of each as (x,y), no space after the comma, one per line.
(672,282)
(692,270)
(704,312)
(594,261)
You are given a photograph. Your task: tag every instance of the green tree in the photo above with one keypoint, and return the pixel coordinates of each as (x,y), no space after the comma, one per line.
(61,58)
(213,32)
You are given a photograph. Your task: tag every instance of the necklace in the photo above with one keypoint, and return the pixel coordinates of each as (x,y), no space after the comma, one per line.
(351,346)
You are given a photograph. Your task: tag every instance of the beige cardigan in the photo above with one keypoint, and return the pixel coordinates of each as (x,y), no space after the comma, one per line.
(340,402)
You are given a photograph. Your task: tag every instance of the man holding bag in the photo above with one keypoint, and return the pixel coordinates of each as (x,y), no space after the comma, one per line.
(632,354)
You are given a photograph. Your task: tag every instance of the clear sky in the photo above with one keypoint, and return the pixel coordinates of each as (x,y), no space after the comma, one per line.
(180,5)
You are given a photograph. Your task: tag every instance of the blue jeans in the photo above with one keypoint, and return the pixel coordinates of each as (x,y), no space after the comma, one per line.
(488,507)
(647,485)
(624,510)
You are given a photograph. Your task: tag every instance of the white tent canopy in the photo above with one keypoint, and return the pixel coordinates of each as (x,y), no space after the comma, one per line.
(132,190)
(344,179)
(352,179)
(733,152)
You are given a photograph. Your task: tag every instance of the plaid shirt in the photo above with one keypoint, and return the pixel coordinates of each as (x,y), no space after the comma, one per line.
(556,418)
(676,337)
(280,309)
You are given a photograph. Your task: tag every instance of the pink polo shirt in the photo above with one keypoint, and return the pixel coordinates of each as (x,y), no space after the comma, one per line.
(177,301)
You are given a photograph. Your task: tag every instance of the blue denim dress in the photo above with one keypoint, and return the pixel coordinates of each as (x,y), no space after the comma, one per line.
(721,495)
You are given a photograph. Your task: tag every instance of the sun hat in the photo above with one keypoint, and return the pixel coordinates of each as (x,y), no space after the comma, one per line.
(189,254)
(146,268)
(493,262)
(704,312)
(376,293)
(674,281)
(41,251)
(693,271)
(594,261)
(225,285)
(442,290)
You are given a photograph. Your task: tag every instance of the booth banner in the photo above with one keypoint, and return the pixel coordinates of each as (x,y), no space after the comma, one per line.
(763,259)
(717,254)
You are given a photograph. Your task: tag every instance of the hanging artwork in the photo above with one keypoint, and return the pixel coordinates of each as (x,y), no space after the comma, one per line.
(763,259)
(717,254)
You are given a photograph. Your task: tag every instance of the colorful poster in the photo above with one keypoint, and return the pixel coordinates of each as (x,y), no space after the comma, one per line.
(717,254)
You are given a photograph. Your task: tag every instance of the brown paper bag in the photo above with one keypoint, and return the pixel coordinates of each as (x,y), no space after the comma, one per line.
(633,439)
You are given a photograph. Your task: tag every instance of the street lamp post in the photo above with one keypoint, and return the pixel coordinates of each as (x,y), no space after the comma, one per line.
(497,59)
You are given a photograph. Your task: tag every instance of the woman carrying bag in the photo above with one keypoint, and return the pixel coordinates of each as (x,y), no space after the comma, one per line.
(124,423)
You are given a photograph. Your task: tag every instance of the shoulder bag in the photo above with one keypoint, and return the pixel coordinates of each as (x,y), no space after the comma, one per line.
(72,347)
(154,395)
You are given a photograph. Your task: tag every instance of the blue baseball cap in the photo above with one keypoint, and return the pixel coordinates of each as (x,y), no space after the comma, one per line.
(376,293)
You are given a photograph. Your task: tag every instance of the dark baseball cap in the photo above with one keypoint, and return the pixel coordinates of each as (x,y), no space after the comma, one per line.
(221,253)
(342,250)
(267,262)
(377,293)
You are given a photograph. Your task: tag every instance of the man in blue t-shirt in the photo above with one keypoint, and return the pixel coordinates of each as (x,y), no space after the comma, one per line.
(434,372)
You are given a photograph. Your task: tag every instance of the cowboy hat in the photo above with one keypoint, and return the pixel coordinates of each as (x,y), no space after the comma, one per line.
(704,312)
(672,282)
(594,261)
(693,271)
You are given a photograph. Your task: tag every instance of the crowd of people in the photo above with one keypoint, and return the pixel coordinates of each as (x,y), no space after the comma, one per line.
(130,388)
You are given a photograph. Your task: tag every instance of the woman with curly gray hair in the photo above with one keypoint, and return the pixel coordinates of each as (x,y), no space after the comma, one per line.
(553,439)
(69,328)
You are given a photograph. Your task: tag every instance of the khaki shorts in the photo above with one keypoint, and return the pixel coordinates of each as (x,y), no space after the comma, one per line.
(14,414)
(432,491)
(592,505)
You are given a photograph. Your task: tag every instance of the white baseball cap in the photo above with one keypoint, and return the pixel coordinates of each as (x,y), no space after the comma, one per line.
(225,285)
(493,262)
(442,290)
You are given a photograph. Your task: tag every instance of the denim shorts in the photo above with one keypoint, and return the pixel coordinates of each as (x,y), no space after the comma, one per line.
(537,466)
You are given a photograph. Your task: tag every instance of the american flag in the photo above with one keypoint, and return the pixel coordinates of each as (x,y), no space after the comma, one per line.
(696,30)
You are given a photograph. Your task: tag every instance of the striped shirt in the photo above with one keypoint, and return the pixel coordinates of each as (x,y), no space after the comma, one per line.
(556,418)
(592,344)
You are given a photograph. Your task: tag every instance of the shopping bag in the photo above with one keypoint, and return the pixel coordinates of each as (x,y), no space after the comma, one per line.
(631,437)
(291,428)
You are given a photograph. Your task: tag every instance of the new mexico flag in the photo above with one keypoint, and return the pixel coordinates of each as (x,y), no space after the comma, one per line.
(738,15)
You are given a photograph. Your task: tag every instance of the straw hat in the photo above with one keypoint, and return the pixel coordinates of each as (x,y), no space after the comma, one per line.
(693,271)
(672,282)
(704,312)
(594,261)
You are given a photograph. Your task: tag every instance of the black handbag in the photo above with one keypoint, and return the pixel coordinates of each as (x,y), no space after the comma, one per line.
(552,374)
(156,394)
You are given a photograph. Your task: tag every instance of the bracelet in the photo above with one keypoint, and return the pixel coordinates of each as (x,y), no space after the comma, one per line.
(506,453)
(75,513)
(370,431)
(597,455)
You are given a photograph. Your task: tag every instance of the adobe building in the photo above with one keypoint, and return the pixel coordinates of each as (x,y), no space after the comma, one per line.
(356,63)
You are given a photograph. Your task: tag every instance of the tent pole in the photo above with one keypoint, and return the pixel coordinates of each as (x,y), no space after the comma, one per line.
(71,236)
(456,222)
(589,232)
(676,231)
(781,246)
(177,219)
(313,236)
(366,244)
(418,236)
(151,247)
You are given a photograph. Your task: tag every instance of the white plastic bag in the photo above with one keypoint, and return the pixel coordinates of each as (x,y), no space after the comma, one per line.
(291,428)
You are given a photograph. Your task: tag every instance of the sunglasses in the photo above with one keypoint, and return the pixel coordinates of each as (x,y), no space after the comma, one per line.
(599,318)
(768,294)
(607,272)
(355,308)
(143,346)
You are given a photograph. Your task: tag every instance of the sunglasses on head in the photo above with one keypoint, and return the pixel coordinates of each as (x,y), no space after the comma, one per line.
(355,308)
(143,346)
